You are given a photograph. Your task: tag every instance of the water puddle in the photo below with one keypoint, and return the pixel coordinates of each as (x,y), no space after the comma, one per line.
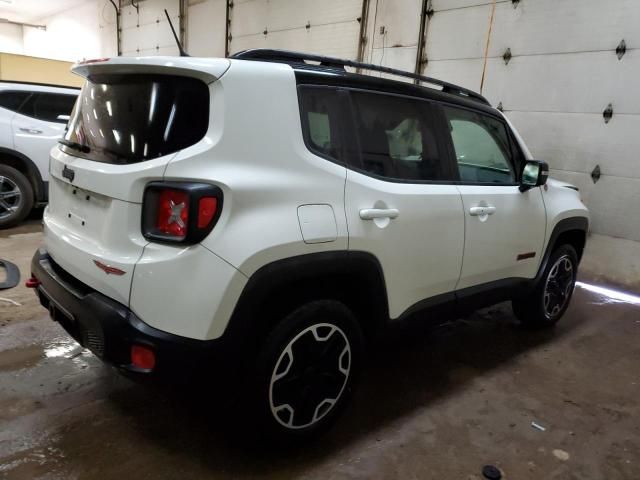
(19,358)
(63,347)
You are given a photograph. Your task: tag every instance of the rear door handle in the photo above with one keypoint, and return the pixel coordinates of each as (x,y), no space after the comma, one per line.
(478,211)
(32,131)
(373,213)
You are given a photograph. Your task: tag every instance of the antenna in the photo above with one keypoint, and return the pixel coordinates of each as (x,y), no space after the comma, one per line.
(180,49)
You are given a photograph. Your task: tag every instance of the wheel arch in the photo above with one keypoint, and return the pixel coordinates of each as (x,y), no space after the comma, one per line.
(28,168)
(572,231)
(276,289)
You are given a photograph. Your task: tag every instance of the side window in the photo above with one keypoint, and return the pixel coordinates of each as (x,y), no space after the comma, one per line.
(482,147)
(320,115)
(50,107)
(397,140)
(11,99)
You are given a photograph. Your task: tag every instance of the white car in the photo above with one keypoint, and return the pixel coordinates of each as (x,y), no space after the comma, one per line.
(32,120)
(262,217)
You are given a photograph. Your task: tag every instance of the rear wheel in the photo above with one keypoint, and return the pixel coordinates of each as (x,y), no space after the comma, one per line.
(550,298)
(16,196)
(306,369)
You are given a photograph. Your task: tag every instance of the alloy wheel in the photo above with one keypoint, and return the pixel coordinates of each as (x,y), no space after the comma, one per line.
(558,286)
(10,197)
(310,376)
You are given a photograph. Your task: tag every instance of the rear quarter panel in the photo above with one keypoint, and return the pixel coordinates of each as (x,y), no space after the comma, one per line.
(255,152)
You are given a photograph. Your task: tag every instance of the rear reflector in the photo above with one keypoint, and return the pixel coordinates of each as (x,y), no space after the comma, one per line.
(207,208)
(143,357)
(173,213)
(33,282)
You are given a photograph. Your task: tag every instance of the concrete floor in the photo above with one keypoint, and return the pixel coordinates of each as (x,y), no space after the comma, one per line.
(439,403)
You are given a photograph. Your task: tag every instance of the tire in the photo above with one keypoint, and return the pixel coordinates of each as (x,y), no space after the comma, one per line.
(550,298)
(16,196)
(305,371)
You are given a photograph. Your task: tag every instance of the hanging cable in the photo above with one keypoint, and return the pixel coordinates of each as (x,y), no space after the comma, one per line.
(486,48)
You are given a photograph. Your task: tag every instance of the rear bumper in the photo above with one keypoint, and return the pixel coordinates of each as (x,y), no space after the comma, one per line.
(109,329)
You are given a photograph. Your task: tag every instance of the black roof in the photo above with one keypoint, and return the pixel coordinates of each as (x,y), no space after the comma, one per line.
(330,70)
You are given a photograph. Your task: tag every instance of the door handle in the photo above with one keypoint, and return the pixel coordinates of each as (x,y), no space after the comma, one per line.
(478,211)
(33,131)
(373,213)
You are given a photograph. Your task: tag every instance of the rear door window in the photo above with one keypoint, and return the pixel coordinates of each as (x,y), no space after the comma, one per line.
(12,99)
(321,120)
(49,107)
(397,138)
(132,118)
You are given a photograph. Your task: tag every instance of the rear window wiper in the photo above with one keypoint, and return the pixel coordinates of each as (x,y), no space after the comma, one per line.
(75,145)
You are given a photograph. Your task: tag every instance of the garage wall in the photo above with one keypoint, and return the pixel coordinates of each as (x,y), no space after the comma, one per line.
(85,31)
(71,35)
(562,75)
(329,27)
(32,69)
(206,28)
(11,38)
(145,30)
(394,28)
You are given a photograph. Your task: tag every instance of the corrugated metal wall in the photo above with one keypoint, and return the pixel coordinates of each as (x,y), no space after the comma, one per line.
(330,27)
(145,30)
(563,73)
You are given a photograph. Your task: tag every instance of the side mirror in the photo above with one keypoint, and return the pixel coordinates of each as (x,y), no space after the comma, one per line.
(534,174)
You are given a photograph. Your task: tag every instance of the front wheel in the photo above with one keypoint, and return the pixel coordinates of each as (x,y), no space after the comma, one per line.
(306,369)
(550,298)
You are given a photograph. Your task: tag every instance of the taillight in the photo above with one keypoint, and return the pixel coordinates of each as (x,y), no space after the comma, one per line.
(207,209)
(173,213)
(180,212)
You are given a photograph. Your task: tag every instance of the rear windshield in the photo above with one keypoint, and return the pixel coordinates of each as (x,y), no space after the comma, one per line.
(132,118)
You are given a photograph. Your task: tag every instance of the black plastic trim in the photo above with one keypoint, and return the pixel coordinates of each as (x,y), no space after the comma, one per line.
(564,225)
(248,321)
(12,274)
(80,309)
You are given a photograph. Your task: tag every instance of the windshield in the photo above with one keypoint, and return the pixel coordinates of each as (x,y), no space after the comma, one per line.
(132,118)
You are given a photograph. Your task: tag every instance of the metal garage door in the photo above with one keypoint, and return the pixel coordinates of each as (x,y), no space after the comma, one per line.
(145,30)
(562,74)
(329,27)
(394,32)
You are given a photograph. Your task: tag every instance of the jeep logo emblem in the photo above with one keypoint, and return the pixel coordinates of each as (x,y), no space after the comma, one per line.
(68,173)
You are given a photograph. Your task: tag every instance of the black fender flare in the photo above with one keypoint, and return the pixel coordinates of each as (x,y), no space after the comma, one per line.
(32,170)
(308,269)
(564,225)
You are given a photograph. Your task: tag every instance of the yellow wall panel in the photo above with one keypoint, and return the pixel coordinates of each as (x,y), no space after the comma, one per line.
(41,70)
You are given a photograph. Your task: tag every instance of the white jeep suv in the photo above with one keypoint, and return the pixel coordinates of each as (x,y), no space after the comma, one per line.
(264,216)
(32,119)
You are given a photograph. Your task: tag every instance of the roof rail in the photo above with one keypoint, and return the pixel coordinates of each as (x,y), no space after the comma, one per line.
(290,57)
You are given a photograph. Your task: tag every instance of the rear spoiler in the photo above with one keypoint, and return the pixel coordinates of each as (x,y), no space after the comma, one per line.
(206,69)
